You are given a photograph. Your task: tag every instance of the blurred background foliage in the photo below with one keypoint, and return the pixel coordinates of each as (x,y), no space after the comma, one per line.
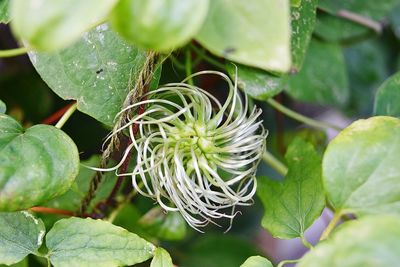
(344,67)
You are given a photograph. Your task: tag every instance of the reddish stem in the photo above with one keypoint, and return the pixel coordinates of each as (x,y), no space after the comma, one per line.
(53,118)
(117,186)
(110,200)
(52,211)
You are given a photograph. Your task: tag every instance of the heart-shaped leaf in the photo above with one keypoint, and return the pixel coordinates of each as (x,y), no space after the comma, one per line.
(372,242)
(20,234)
(88,242)
(253,32)
(293,205)
(361,170)
(36,164)
(97,71)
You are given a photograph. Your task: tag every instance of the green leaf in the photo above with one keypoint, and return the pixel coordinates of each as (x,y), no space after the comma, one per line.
(293,205)
(54,24)
(295,3)
(367,8)
(368,242)
(71,200)
(3,107)
(170,226)
(20,234)
(361,173)
(303,21)
(257,261)
(4,14)
(160,25)
(367,64)
(37,164)
(333,28)
(97,71)
(88,242)
(323,78)
(394,20)
(257,83)
(23,263)
(161,258)
(254,32)
(387,99)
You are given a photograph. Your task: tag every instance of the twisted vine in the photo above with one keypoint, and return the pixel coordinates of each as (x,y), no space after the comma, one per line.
(139,89)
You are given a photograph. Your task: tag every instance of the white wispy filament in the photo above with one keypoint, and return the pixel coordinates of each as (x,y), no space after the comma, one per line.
(193,154)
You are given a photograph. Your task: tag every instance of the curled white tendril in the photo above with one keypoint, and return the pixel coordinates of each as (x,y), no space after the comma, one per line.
(193,154)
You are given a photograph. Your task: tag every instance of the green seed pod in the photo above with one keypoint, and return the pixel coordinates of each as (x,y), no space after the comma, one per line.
(160,25)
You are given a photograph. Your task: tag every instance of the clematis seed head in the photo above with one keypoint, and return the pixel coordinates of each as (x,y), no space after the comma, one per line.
(194,154)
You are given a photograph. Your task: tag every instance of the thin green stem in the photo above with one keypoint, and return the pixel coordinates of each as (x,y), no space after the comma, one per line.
(176,62)
(287,262)
(305,242)
(66,116)
(306,120)
(115,212)
(332,224)
(207,58)
(13,52)
(188,65)
(275,163)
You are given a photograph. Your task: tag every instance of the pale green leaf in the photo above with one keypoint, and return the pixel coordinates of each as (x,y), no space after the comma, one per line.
(291,206)
(37,164)
(160,25)
(257,261)
(98,71)
(55,24)
(257,83)
(368,242)
(20,234)
(387,99)
(361,170)
(165,226)
(97,243)
(254,32)
(323,78)
(161,258)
